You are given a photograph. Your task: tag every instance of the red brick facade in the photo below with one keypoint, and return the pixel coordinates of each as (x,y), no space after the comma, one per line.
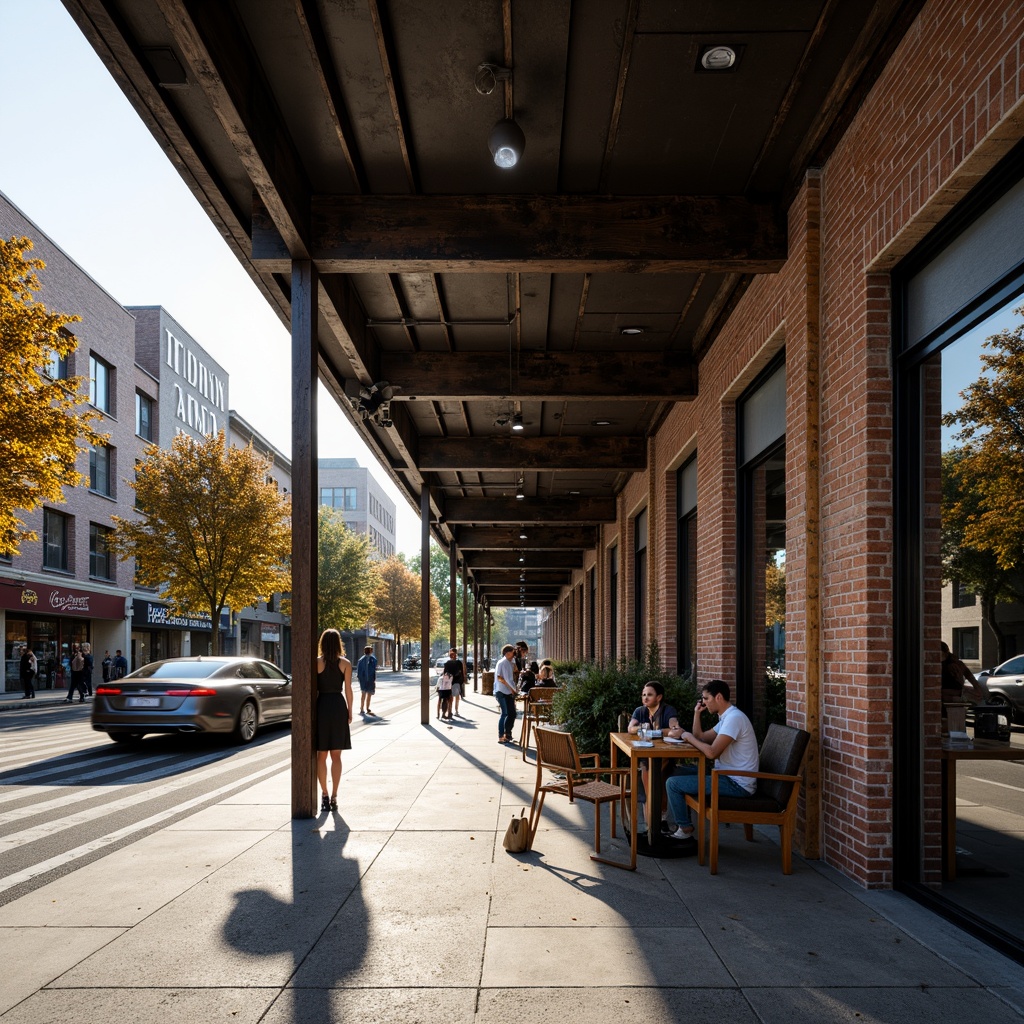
(947,108)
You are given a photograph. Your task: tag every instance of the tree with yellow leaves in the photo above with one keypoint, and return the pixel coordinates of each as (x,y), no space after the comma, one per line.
(211,530)
(396,605)
(42,427)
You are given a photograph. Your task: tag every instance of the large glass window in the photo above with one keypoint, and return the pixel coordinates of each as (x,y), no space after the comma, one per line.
(761,680)
(55,540)
(640,585)
(959,785)
(686,567)
(613,602)
(101,562)
(101,377)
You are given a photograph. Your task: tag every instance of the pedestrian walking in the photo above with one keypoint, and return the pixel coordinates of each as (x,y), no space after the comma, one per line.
(27,669)
(366,672)
(89,665)
(107,665)
(119,669)
(454,667)
(76,671)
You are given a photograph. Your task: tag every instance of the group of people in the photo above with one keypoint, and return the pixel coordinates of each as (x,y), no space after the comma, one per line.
(514,673)
(730,743)
(78,665)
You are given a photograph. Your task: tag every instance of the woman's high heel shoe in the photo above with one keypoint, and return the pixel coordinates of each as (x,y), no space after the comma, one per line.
(325,803)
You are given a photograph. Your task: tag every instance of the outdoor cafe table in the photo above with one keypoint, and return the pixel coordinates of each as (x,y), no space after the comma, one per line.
(624,742)
(980,750)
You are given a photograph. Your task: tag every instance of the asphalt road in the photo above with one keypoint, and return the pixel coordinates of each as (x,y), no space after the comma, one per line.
(69,796)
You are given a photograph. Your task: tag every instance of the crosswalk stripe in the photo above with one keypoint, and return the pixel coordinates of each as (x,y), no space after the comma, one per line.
(67,821)
(26,875)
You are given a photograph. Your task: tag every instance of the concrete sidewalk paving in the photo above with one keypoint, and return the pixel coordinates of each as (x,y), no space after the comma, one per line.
(403,907)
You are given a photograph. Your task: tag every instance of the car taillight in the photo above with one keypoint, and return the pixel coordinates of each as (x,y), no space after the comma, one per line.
(192,693)
(108,691)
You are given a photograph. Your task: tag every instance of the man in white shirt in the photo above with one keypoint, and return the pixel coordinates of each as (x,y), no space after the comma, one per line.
(731,744)
(505,693)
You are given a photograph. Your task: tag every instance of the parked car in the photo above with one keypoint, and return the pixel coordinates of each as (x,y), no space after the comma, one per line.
(412,662)
(1005,685)
(184,695)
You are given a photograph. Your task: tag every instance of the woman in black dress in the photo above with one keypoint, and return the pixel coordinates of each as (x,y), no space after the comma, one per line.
(333,713)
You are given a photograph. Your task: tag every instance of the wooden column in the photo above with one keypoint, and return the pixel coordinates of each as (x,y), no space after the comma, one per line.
(465,618)
(304,536)
(477,650)
(425,604)
(453,603)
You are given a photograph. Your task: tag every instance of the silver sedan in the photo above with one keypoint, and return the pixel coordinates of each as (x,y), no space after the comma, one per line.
(203,694)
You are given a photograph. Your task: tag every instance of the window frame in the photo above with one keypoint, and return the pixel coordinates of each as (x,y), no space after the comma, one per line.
(97,363)
(99,532)
(53,516)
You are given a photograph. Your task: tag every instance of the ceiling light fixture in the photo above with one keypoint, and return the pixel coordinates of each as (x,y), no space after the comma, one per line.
(522,534)
(506,143)
(517,422)
(718,58)
(629,331)
(600,423)
(522,557)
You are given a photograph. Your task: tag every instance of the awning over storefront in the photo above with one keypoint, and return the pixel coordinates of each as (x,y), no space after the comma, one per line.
(46,599)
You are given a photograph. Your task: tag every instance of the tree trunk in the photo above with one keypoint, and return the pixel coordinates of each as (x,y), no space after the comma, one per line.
(988,616)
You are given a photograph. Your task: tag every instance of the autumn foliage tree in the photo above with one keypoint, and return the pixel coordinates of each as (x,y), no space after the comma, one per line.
(211,531)
(43,428)
(396,606)
(983,479)
(346,575)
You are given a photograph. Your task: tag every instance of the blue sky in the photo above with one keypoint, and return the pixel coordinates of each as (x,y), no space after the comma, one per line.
(78,161)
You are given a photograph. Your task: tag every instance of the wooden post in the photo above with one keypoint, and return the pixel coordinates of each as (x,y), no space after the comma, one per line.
(304,535)
(452,595)
(425,666)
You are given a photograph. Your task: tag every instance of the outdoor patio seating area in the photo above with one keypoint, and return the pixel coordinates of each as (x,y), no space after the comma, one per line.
(404,907)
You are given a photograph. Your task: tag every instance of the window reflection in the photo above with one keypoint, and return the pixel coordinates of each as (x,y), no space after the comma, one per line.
(978,554)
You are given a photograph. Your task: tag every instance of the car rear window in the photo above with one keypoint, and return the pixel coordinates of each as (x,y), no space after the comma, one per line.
(178,670)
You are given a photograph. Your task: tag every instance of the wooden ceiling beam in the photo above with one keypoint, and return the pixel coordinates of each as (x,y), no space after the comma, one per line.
(214,44)
(568,511)
(534,234)
(627,376)
(549,538)
(474,454)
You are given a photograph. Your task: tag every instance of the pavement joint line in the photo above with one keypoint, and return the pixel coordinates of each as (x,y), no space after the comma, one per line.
(70,821)
(992,782)
(43,867)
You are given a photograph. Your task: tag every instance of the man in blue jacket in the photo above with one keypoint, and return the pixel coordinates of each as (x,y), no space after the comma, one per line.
(366,671)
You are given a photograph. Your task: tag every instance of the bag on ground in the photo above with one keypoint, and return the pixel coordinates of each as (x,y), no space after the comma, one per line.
(517,835)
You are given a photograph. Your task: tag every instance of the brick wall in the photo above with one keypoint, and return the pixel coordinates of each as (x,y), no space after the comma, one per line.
(943,113)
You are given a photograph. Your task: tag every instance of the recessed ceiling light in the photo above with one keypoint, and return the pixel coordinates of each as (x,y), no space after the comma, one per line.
(600,423)
(718,58)
(574,494)
(632,330)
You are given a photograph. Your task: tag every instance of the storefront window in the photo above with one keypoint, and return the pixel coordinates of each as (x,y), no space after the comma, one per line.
(761,683)
(959,747)
(686,568)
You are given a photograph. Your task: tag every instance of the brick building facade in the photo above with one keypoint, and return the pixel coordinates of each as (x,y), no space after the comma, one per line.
(933,142)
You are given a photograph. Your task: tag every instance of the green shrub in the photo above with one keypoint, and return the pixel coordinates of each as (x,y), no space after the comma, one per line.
(591,698)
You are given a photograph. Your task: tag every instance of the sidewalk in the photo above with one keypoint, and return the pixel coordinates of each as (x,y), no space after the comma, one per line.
(404,907)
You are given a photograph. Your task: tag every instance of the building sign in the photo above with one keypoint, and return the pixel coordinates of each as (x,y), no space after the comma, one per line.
(270,632)
(160,616)
(44,599)
(199,395)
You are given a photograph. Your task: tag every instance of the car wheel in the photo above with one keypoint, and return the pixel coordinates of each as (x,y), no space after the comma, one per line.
(126,737)
(248,719)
